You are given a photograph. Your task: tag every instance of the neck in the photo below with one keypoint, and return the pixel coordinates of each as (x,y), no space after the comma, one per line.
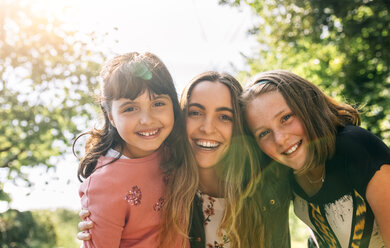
(311,182)
(316,175)
(209,183)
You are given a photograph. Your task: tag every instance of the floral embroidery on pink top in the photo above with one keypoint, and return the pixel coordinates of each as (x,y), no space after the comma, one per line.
(134,196)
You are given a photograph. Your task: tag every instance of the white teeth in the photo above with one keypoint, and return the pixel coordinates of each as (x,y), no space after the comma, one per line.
(293,149)
(207,144)
(148,133)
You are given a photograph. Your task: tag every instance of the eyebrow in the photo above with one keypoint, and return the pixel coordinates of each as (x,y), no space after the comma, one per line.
(154,97)
(125,103)
(203,108)
(279,113)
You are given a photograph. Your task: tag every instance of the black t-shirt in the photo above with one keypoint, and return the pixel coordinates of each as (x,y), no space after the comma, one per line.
(339,214)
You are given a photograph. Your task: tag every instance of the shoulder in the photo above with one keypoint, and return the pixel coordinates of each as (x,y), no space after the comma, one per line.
(360,142)
(106,178)
(359,153)
(356,134)
(111,175)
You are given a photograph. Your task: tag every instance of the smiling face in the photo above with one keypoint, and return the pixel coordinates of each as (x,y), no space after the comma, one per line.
(278,131)
(209,122)
(143,123)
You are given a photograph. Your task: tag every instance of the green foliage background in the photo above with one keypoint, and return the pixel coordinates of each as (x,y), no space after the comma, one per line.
(39,229)
(47,83)
(48,80)
(342,46)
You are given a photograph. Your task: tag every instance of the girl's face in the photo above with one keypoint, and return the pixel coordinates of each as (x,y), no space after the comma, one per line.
(143,123)
(209,122)
(278,131)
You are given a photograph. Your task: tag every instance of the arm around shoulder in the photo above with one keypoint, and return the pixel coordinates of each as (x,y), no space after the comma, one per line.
(378,196)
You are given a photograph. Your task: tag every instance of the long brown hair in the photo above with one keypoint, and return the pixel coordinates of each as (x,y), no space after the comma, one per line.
(128,76)
(239,171)
(320,114)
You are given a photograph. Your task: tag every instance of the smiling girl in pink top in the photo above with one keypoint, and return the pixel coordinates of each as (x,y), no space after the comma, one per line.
(137,165)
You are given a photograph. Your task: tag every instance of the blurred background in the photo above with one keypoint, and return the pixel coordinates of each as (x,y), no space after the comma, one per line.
(51,52)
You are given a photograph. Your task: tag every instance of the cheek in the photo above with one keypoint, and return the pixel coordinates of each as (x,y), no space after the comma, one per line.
(267,148)
(251,118)
(229,132)
(190,126)
(121,122)
(302,130)
(170,118)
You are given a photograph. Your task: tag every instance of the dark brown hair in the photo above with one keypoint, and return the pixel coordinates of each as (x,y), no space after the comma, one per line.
(128,76)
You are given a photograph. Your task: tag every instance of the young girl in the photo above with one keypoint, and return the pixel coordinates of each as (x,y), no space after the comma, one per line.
(341,172)
(138,165)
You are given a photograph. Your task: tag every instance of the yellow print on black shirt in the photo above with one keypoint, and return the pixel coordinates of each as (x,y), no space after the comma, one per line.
(326,236)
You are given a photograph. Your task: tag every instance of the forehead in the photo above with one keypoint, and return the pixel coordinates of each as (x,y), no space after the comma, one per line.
(265,107)
(215,93)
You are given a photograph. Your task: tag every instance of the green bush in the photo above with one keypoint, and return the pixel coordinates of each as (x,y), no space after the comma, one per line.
(39,229)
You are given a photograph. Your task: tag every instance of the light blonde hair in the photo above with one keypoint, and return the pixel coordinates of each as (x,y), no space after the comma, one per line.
(239,171)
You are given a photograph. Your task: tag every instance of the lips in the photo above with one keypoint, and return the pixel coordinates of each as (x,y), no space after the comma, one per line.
(207,144)
(292,149)
(149,133)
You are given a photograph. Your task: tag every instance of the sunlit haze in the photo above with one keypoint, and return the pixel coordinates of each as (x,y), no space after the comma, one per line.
(190,36)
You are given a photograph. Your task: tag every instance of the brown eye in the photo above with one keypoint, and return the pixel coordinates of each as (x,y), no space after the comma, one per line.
(129,109)
(193,113)
(226,118)
(159,104)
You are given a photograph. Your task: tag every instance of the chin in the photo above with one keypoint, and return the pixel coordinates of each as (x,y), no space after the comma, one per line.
(205,164)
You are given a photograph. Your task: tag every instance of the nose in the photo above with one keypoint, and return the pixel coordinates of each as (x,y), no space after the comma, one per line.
(280,137)
(145,117)
(208,125)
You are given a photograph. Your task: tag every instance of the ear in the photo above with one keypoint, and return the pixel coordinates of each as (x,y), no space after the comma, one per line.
(111,120)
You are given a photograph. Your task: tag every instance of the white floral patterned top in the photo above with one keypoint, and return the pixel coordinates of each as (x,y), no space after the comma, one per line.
(213,209)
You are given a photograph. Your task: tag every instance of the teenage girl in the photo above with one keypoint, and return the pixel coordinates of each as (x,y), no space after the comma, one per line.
(231,207)
(139,170)
(340,173)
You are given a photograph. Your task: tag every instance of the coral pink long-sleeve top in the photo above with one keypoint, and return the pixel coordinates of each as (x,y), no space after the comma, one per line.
(125,201)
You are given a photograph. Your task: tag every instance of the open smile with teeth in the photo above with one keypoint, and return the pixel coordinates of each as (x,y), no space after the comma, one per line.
(149,133)
(292,149)
(207,144)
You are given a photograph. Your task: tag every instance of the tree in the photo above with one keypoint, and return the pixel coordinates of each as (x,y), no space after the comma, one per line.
(26,229)
(39,229)
(47,83)
(343,46)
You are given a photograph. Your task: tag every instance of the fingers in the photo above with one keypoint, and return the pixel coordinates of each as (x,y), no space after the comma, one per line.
(84,236)
(85,225)
(84,213)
